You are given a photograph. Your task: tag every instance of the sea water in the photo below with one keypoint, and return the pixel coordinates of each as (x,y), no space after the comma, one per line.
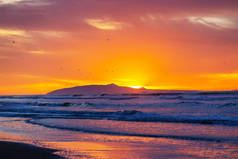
(176,125)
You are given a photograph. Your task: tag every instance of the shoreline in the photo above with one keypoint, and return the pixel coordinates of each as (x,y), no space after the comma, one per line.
(16,150)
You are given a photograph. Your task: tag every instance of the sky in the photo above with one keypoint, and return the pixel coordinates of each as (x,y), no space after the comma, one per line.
(173,44)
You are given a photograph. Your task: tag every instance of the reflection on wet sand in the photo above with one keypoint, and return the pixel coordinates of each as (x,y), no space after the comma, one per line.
(106,147)
(73,144)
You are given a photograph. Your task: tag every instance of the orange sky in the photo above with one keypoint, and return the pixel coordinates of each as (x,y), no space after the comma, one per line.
(52,44)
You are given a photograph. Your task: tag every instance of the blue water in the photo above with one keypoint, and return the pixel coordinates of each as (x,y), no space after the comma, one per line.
(196,117)
(207,110)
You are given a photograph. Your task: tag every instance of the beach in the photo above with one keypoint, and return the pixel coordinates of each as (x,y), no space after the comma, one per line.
(13,150)
(105,127)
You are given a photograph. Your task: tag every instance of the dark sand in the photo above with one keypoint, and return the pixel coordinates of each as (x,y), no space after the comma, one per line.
(13,150)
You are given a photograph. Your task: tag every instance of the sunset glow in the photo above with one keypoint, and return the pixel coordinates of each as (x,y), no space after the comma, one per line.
(136,87)
(151,44)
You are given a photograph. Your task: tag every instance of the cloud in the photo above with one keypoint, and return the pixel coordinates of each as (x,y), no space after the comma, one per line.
(79,17)
(48,34)
(104,24)
(25,2)
(37,52)
(9,1)
(8,32)
(70,15)
(222,76)
(214,22)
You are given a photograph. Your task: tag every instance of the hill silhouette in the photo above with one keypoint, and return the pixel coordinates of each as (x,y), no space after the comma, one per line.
(97,89)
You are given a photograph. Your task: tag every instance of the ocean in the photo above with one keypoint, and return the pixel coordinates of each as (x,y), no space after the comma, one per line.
(165,125)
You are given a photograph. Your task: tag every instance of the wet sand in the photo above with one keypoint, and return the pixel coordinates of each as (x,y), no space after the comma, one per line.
(78,145)
(13,150)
